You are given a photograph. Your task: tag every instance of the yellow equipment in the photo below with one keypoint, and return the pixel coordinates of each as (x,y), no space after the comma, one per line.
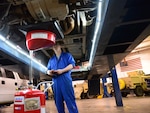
(137,82)
(81,91)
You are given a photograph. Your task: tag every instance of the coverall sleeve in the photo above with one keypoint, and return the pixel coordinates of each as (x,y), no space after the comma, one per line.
(71,60)
(49,65)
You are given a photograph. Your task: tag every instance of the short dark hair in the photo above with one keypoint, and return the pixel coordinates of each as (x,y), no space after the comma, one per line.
(59,42)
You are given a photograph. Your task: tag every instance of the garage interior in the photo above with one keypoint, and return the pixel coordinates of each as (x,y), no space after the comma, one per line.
(125,24)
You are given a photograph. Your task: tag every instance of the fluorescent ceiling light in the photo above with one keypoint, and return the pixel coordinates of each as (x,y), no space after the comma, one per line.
(20,54)
(101,11)
(97,27)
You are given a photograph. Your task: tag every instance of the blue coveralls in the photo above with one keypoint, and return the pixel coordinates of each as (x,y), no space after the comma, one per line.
(62,88)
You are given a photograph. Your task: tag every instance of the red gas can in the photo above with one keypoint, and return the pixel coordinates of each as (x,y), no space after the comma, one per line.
(29,101)
(38,39)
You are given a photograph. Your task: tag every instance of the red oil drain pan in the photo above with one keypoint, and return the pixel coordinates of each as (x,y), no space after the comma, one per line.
(38,39)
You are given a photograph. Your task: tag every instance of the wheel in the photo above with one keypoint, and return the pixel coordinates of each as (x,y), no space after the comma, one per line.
(90,96)
(139,91)
(147,93)
(124,94)
(83,95)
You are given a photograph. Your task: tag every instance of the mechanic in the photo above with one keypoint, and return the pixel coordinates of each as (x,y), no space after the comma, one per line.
(59,68)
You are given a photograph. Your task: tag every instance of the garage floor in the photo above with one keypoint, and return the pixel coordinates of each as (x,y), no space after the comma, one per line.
(104,105)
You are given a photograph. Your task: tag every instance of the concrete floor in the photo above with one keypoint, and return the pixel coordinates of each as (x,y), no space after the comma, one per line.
(104,105)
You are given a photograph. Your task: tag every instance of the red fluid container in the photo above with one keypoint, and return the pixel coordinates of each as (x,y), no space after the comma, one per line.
(39,39)
(29,101)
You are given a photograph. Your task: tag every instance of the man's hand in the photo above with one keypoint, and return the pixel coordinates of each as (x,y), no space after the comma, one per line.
(50,72)
(53,73)
(58,72)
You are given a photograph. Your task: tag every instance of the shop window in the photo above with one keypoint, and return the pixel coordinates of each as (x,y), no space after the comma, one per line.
(21,76)
(9,74)
(0,74)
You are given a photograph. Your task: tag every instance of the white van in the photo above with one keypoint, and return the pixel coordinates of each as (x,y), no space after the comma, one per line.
(9,83)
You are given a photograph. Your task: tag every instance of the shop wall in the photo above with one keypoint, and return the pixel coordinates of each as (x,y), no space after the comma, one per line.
(143,56)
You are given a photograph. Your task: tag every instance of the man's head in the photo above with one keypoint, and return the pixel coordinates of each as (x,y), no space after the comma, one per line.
(57,46)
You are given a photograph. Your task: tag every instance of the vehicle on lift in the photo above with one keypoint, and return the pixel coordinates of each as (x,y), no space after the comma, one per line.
(136,82)
(10,82)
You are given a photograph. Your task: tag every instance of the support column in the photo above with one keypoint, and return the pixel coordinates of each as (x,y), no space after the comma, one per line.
(117,92)
(104,81)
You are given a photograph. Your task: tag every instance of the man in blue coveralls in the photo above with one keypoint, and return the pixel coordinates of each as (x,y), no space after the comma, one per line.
(59,68)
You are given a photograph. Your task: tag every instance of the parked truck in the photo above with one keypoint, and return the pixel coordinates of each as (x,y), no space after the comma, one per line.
(10,82)
(137,82)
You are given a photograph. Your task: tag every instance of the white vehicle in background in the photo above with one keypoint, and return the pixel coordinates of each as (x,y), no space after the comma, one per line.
(9,83)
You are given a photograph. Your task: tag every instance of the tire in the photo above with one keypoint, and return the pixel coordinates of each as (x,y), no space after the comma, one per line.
(139,91)
(124,94)
(90,96)
(83,95)
(147,93)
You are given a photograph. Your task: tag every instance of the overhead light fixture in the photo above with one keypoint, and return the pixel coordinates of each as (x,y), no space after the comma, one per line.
(101,11)
(20,54)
